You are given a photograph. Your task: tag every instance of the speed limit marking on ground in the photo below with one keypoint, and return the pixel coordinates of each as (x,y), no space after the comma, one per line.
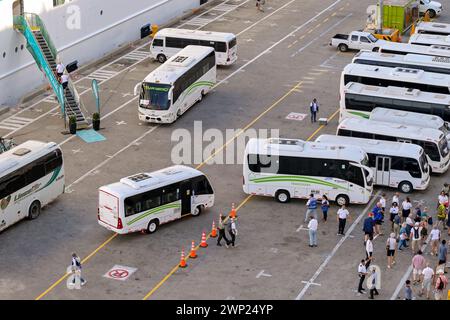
(119,272)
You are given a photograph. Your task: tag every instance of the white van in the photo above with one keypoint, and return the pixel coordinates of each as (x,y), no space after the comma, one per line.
(433,8)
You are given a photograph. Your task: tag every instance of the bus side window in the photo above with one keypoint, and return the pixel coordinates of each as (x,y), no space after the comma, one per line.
(345,133)
(158,43)
(431,150)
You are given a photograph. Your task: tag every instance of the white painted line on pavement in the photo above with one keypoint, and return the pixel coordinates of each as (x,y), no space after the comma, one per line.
(336,248)
(311,283)
(263,274)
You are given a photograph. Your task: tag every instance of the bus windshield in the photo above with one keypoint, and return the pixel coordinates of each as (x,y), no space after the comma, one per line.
(443,147)
(369,179)
(154,96)
(423,163)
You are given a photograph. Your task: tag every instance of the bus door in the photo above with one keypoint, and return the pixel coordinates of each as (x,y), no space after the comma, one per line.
(185,195)
(382,170)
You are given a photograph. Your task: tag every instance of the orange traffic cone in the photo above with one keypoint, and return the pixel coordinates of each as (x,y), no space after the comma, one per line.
(182,260)
(233,211)
(203,244)
(213,230)
(193,253)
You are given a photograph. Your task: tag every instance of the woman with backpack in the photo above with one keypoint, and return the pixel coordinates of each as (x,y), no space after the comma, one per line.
(441,285)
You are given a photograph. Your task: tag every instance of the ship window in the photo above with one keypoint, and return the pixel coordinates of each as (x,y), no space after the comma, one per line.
(16,49)
(4,54)
(21,47)
(101,12)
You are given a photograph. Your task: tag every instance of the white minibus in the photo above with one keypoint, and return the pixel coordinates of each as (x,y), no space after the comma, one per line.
(437,28)
(292,168)
(405,48)
(394,164)
(144,201)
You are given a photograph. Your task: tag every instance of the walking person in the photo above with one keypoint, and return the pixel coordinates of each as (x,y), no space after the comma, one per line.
(441,285)
(442,257)
(378,218)
(397,222)
(325,205)
(446,189)
(76,266)
(441,214)
(415,237)
(369,251)
(391,245)
(259,5)
(60,69)
(396,198)
(64,80)
(403,237)
(221,228)
(362,272)
(435,236)
(374,277)
(394,212)
(408,290)
(368,227)
(311,205)
(312,228)
(418,264)
(314,109)
(406,208)
(382,201)
(232,231)
(342,216)
(442,198)
(427,280)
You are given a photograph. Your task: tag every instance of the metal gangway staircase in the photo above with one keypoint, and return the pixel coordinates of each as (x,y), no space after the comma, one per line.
(41,47)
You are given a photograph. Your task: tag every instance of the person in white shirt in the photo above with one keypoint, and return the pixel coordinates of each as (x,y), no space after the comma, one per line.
(362,272)
(435,236)
(383,202)
(342,215)
(428,275)
(396,198)
(60,69)
(394,212)
(369,251)
(391,245)
(443,198)
(312,226)
(406,208)
(415,237)
(64,80)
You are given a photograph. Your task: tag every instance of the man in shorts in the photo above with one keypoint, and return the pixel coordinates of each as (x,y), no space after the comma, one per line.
(428,275)
(418,264)
(391,244)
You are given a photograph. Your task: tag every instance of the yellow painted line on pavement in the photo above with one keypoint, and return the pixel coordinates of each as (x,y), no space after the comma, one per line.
(154,289)
(326,19)
(82,261)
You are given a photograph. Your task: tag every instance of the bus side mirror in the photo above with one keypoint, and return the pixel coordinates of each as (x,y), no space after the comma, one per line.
(136,88)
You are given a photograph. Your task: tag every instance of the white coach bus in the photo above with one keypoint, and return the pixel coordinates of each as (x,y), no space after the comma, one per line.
(144,201)
(170,90)
(394,164)
(433,141)
(405,48)
(410,119)
(31,176)
(429,40)
(170,41)
(291,168)
(398,77)
(440,29)
(358,100)
(415,61)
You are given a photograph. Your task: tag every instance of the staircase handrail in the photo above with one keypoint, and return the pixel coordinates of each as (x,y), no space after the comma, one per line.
(35,22)
(76,96)
(21,23)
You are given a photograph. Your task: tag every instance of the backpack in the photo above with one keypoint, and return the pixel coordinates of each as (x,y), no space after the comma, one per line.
(441,284)
(430,220)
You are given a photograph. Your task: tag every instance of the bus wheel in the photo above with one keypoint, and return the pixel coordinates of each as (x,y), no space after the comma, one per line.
(161,58)
(405,187)
(196,212)
(178,113)
(152,226)
(342,199)
(283,196)
(35,210)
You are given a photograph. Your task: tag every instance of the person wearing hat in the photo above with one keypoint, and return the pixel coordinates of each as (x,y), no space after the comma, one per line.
(441,285)
(415,237)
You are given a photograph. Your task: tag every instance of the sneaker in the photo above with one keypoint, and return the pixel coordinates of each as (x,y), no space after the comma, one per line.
(226,246)
(219,244)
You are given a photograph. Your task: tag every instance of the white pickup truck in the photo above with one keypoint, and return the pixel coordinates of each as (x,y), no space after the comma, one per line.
(433,8)
(357,40)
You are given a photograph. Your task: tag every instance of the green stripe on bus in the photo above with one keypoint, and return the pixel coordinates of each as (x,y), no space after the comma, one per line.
(195,85)
(359,114)
(155,210)
(296,179)
(52,179)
